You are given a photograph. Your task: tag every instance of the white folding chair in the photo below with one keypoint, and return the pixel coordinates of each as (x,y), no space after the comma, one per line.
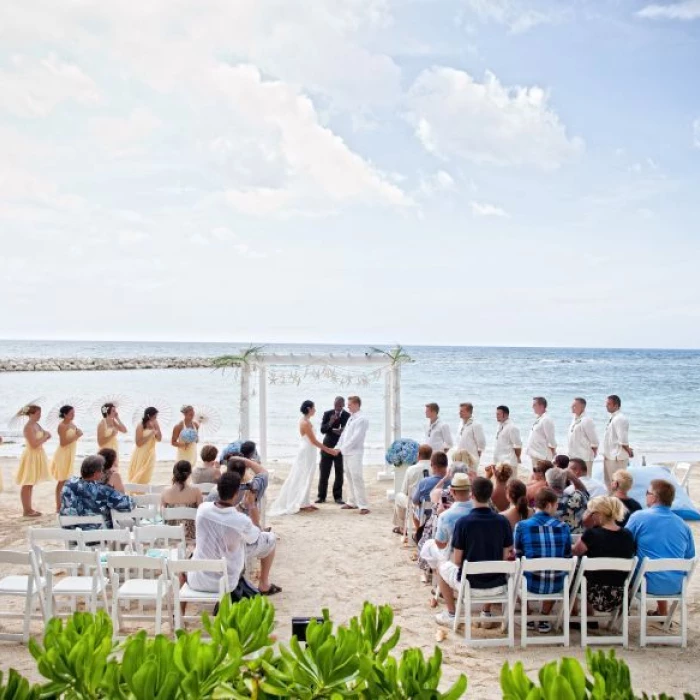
(155,590)
(681,473)
(89,584)
(157,488)
(563,566)
(172,515)
(580,591)
(137,488)
(81,521)
(641,596)
(151,536)
(205,488)
(29,586)
(469,597)
(147,500)
(410,511)
(41,537)
(183,593)
(129,519)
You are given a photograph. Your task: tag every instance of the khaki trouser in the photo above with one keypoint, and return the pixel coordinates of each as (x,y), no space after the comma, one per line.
(400,505)
(610,466)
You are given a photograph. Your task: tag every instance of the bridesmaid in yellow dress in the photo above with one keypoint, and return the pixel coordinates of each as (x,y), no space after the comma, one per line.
(108,429)
(143,459)
(33,464)
(186,449)
(61,466)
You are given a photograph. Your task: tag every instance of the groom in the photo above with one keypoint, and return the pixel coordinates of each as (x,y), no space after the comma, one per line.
(352,446)
(332,426)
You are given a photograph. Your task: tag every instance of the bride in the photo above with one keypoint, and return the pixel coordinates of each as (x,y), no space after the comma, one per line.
(296,490)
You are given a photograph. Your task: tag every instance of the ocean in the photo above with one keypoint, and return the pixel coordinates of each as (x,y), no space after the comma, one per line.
(660,391)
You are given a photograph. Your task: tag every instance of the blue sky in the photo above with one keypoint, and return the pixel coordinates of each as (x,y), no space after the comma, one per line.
(466,172)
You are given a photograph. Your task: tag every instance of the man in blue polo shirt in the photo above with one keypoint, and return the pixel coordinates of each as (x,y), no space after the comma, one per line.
(482,535)
(661,534)
(438,468)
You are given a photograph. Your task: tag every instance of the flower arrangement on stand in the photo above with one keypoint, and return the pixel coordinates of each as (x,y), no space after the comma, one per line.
(402,453)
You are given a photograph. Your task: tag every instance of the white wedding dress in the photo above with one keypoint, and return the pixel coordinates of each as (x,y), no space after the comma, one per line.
(296,490)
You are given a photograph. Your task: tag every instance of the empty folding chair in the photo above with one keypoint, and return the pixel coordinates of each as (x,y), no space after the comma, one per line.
(580,591)
(29,586)
(642,597)
(55,537)
(81,522)
(161,537)
(85,578)
(469,597)
(546,565)
(127,588)
(183,593)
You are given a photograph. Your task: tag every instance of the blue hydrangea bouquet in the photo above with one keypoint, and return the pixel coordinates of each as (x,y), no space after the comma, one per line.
(402,453)
(188,435)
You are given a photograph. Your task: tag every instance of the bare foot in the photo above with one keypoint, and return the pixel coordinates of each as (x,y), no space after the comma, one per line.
(348,507)
(32,514)
(308,509)
(364,511)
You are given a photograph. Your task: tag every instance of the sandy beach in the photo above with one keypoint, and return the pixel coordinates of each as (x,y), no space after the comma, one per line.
(337,559)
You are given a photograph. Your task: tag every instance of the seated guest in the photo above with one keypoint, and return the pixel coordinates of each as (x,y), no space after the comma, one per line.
(580,469)
(87,495)
(605,539)
(412,476)
(421,493)
(518,508)
(245,449)
(223,531)
(622,482)
(499,474)
(540,536)
(572,504)
(436,550)
(110,475)
(252,488)
(562,461)
(537,480)
(482,535)
(661,534)
(209,471)
(441,498)
(182,495)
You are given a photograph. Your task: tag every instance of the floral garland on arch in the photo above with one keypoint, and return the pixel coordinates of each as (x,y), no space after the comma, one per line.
(327,373)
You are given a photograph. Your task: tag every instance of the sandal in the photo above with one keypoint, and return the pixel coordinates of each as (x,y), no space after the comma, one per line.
(272,590)
(397,531)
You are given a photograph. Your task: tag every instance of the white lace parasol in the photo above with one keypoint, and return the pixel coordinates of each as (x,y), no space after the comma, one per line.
(17,420)
(52,417)
(165,412)
(122,403)
(209,420)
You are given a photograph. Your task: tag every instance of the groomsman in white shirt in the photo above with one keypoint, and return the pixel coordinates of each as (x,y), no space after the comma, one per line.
(542,443)
(616,443)
(437,433)
(470,435)
(352,446)
(583,438)
(508,444)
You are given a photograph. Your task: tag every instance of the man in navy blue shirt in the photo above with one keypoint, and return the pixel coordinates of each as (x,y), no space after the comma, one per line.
(438,469)
(482,535)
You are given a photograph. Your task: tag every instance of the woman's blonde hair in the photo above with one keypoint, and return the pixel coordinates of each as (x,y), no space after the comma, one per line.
(624,480)
(465,457)
(608,508)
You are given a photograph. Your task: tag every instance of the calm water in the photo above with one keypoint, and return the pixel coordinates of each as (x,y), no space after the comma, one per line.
(660,389)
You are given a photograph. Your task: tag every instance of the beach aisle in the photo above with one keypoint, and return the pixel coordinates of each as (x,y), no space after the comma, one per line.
(337,559)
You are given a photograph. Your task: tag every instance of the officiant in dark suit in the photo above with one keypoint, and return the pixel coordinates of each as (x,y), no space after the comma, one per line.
(332,427)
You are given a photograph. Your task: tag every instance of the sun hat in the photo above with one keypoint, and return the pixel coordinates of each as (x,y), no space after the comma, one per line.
(460,482)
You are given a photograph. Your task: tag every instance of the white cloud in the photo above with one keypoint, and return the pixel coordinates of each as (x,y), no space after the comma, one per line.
(517,15)
(441,181)
(487,123)
(484,209)
(33,87)
(686,10)
(696,133)
(125,136)
(130,237)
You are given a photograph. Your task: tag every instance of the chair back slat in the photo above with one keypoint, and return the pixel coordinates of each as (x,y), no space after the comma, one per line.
(209,565)
(78,521)
(548,564)
(676,565)
(608,564)
(489,567)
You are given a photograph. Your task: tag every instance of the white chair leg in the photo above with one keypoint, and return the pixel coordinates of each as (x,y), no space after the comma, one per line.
(28,606)
(643,615)
(458,607)
(159,614)
(523,615)
(177,614)
(511,613)
(669,617)
(115,615)
(468,617)
(565,605)
(684,620)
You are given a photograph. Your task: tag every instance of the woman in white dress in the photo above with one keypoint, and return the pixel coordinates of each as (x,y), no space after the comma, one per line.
(295,495)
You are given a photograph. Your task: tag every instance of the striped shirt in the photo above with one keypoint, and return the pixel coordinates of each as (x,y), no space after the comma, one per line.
(542,536)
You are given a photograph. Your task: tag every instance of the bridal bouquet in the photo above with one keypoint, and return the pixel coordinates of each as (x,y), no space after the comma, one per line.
(189,435)
(402,453)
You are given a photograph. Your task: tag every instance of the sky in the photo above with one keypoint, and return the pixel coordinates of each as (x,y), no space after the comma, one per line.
(437,172)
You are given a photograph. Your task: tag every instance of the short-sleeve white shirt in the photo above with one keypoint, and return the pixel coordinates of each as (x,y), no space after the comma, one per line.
(438,435)
(542,443)
(507,441)
(583,438)
(616,435)
(470,437)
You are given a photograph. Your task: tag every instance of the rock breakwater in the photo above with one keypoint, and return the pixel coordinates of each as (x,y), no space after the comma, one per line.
(91,364)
